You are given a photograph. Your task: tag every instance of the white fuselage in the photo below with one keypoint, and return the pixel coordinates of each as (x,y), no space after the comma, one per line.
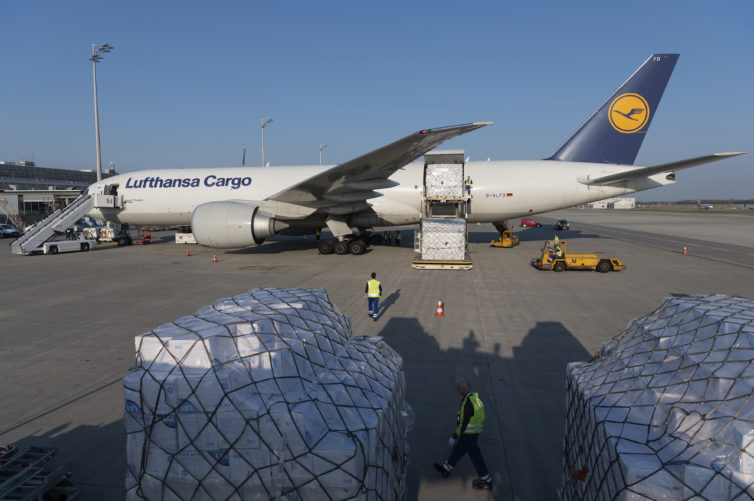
(501,190)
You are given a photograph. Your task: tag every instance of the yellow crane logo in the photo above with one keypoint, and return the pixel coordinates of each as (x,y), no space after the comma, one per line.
(628,113)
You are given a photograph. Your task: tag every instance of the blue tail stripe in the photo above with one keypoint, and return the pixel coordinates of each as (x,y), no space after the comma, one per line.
(614,134)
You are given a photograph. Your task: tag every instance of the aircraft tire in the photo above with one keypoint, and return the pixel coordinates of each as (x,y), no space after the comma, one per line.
(341,248)
(356,247)
(326,247)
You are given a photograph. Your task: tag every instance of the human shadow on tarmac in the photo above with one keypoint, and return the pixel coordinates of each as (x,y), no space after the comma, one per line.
(524,398)
(388,302)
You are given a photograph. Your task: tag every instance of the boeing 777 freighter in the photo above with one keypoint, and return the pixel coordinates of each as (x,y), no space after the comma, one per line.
(240,207)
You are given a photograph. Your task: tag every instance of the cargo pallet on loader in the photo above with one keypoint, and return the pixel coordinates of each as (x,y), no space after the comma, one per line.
(25,475)
(441,243)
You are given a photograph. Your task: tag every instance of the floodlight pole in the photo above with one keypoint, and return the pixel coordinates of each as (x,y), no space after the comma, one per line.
(321,147)
(97,51)
(265,121)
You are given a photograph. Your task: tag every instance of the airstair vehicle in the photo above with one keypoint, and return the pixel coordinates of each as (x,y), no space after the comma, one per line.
(441,243)
(11,214)
(59,221)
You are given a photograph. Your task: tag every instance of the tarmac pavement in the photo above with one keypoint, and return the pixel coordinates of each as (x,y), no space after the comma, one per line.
(68,324)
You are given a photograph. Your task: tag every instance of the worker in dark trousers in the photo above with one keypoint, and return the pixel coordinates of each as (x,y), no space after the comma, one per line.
(373,291)
(317,234)
(384,238)
(470,425)
(398,238)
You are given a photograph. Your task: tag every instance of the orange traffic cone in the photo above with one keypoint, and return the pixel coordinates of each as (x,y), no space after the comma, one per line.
(214,258)
(187,252)
(439,308)
(684,249)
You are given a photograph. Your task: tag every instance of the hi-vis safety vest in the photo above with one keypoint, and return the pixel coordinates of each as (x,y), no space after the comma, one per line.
(476,423)
(374,288)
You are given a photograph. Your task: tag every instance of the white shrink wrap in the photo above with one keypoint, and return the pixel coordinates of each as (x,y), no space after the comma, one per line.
(443,181)
(443,239)
(665,410)
(265,395)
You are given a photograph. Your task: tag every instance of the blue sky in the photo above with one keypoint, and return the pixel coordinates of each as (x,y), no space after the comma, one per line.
(189,82)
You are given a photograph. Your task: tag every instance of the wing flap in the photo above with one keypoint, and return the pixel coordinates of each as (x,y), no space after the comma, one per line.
(657,169)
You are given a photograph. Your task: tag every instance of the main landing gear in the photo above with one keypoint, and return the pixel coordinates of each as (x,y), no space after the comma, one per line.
(352,245)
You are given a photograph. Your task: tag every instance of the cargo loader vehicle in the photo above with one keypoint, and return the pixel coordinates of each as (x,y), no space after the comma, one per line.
(551,259)
(507,239)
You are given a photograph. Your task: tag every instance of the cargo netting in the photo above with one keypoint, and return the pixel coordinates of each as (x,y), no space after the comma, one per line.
(665,410)
(443,238)
(443,181)
(265,395)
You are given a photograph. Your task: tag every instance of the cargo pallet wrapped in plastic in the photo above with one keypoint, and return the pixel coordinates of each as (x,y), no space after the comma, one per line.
(666,409)
(443,239)
(443,181)
(265,395)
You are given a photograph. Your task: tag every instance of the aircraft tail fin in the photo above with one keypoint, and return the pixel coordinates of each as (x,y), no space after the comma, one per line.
(614,133)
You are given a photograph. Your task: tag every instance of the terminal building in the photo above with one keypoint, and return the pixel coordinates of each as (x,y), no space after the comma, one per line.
(31,193)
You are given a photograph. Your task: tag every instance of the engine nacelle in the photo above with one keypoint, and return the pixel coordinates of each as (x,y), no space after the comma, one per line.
(230,225)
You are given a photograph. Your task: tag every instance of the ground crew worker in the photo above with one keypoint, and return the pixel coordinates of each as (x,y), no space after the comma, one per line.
(389,238)
(470,425)
(557,254)
(384,237)
(373,291)
(398,238)
(468,183)
(317,234)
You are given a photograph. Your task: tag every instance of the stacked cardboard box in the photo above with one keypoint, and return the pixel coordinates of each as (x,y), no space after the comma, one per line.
(666,409)
(443,239)
(262,395)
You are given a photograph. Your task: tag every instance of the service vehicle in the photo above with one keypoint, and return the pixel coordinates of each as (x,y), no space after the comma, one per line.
(562,224)
(507,239)
(549,260)
(142,238)
(9,231)
(76,245)
(527,222)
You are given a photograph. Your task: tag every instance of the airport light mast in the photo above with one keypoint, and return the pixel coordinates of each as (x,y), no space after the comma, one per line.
(321,147)
(97,53)
(265,121)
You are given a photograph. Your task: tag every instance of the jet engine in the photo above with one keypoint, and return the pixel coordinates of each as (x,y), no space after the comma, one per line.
(230,225)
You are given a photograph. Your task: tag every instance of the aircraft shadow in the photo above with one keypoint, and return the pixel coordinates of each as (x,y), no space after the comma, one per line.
(524,400)
(97,456)
(530,235)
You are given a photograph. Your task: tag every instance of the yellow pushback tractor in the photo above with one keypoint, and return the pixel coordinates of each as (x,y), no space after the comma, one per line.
(555,257)
(507,239)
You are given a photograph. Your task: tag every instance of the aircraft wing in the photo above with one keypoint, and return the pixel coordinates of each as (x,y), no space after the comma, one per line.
(345,188)
(657,169)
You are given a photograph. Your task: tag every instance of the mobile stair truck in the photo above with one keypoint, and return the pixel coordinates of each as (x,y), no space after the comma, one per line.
(441,243)
(44,236)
